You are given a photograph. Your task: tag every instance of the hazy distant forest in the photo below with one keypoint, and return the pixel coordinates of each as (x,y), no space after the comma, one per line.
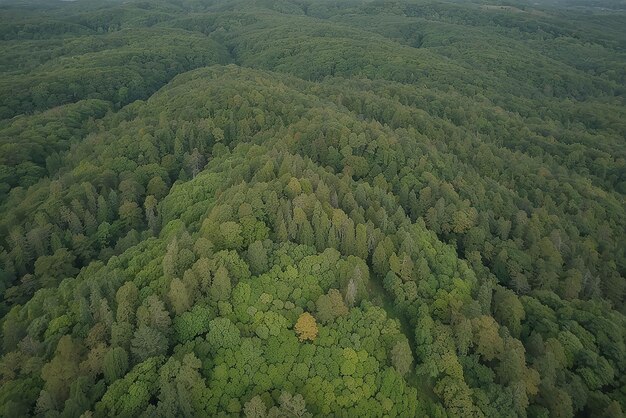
(295,208)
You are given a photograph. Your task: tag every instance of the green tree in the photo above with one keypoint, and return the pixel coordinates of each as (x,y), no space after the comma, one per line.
(361,242)
(52,269)
(153,313)
(230,235)
(148,342)
(157,188)
(255,408)
(290,406)
(130,214)
(61,371)
(170,259)
(223,334)
(401,357)
(221,286)
(115,364)
(330,306)
(508,310)
(126,298)
(179,296)
(257,258)
(192,323)
(488,341)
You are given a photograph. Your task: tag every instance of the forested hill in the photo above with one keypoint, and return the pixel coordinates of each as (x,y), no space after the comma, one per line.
(290,208)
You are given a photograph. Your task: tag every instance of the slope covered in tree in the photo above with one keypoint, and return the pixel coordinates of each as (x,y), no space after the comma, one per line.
(400,209)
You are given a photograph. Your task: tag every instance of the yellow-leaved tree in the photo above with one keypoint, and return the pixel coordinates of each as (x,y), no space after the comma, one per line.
(306,327)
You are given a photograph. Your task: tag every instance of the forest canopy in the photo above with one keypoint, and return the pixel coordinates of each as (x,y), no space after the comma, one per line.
(294,208)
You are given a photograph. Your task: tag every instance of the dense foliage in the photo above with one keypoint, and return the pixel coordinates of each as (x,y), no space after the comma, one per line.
(295,208)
